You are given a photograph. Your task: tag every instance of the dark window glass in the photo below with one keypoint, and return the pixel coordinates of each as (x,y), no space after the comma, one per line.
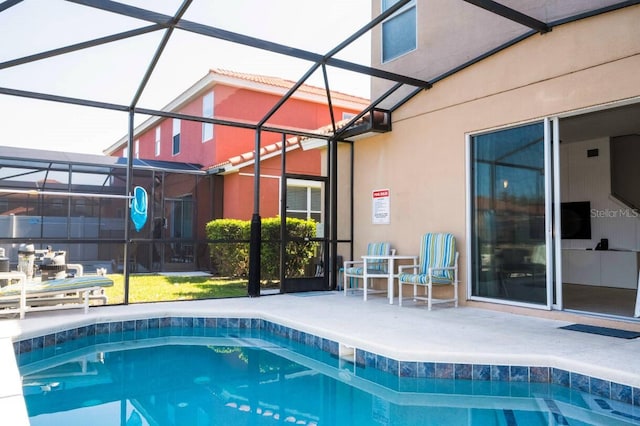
(508,215)
(176,144)
(399,34)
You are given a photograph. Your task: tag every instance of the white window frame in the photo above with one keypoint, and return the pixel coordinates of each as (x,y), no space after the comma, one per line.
(136,148)
(308,185)
(157,141)
(207,112)
(410,5)
(176,132)
(347,115)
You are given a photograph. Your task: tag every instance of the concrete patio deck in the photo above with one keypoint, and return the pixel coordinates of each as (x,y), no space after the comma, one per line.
(463,335)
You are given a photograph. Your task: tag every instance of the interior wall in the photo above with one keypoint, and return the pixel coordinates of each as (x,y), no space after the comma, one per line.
(625,174)
(584,178)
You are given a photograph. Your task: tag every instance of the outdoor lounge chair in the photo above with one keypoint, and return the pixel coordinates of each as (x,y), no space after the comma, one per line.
(65,293)
(438,266)
(354,270)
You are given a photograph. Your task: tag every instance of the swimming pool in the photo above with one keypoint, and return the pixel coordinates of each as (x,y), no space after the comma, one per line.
(195,371)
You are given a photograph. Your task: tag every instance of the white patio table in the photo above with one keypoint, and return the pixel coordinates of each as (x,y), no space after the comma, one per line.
(391,273)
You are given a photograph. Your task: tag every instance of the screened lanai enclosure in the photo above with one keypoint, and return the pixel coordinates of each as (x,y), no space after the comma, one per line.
(115,63)
(78,204)
(77,75)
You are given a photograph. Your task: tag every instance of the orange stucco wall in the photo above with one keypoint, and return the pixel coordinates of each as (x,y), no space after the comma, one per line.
(238,104)
(242,104)
(239,186)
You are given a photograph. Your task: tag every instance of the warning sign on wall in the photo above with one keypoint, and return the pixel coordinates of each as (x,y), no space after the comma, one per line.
(381,207)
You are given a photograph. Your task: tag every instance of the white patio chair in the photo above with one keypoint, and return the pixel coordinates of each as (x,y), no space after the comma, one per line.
(353,272)
(438,266)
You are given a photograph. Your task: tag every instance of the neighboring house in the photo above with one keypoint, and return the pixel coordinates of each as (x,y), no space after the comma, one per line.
(239,171)
(527,153)
(239,97)
(225,153)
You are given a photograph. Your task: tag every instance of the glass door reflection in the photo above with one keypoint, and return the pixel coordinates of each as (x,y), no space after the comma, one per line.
(508,215)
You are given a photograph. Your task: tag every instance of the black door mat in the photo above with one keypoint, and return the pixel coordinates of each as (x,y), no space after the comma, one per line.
(603,331)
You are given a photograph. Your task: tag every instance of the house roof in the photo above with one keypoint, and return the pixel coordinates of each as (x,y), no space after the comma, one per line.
(247,158)
(59,160)
(295,142)
(336,97)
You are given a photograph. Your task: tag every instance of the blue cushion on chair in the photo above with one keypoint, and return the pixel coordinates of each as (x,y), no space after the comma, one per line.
(356,270)
(436,250)
(373,266)
(422,279)
(58,286)
(381,249)
(359,270)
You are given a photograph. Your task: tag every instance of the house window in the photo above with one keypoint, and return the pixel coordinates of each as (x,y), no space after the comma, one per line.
(157,149)
(207,112)
(136,147)
(304,202)
(80,208)
(399,32)
(347,115)
(176,136)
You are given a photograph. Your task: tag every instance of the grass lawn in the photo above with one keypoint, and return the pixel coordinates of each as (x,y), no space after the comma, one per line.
(154,288)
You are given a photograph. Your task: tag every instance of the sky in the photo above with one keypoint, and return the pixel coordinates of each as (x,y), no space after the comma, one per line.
(113,72)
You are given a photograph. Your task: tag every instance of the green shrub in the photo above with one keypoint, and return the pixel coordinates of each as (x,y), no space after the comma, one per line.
(230,252)
(300,250)
(270,249)
(230,257)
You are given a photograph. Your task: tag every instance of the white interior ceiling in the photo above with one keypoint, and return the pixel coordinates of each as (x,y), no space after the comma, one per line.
(624,120)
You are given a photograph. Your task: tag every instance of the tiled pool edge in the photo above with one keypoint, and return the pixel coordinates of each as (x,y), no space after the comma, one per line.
(118,330)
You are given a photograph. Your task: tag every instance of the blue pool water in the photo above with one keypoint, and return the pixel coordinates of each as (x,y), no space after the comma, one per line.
(224,376)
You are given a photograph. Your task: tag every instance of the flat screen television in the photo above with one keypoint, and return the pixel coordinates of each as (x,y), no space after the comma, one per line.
(576,220)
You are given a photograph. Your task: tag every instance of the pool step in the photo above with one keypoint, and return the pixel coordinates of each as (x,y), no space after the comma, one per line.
(347,356)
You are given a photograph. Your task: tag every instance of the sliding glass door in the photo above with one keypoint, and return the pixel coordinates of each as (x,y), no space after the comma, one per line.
(510,213)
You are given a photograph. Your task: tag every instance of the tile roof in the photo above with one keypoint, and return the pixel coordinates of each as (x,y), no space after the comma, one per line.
(287,84)
(293,142)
